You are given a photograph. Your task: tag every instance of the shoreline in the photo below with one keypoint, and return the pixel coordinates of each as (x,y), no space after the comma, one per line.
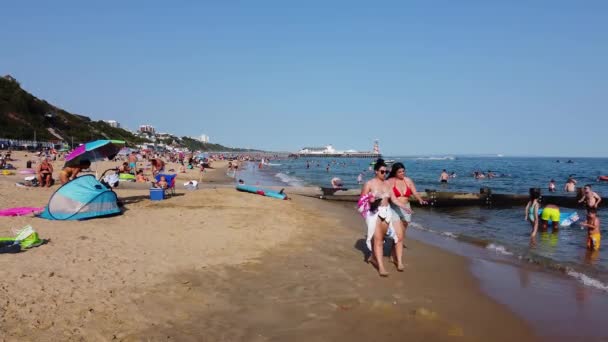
(188,266)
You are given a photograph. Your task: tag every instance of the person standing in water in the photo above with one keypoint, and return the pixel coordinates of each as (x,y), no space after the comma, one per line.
(593,230)
(531,212)
(552,185)
(570,184)
(443,178)
(550,213)
(590,198)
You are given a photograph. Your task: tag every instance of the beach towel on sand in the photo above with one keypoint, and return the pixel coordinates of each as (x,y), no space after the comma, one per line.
(19,211)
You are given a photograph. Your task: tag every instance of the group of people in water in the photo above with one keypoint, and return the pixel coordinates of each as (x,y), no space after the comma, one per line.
(384,203)
(385,206)
(539,218)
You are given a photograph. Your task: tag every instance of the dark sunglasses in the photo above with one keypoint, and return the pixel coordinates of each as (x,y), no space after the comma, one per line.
(382,171)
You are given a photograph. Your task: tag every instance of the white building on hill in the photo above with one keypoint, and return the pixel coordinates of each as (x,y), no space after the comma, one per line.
(113,123)
(204,138)
(147,129)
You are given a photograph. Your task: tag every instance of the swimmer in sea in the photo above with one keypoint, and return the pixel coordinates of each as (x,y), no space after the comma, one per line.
(443,178)
(552,185)
(570,184)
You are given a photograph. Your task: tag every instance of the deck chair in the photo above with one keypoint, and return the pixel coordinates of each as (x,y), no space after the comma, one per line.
(170,178)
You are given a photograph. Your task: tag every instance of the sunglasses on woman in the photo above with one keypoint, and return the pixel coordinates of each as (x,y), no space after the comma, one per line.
(382,171)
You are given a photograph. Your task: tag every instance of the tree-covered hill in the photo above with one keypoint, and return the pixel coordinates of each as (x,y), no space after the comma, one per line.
(22,115)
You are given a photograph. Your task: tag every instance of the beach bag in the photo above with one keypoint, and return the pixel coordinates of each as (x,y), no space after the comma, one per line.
(26,238)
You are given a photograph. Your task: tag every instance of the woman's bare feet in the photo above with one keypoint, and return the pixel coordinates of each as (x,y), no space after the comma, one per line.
(381,270)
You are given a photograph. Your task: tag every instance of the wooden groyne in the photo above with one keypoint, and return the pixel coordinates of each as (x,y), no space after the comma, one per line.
(439,199)
(485,197)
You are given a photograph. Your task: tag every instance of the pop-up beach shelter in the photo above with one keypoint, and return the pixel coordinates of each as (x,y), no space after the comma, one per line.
(81,198)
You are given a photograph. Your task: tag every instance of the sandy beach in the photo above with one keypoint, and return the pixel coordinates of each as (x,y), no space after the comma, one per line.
(220,265)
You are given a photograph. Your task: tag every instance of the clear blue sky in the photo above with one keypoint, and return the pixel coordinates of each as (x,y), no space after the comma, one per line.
(424,77)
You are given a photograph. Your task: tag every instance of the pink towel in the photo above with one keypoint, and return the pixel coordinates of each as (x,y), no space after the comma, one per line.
(19,211)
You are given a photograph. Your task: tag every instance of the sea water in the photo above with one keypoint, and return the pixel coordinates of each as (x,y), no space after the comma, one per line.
(499,230)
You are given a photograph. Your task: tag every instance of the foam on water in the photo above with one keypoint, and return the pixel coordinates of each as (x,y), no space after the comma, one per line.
(588,281)
(450,235)
(290,180)
(498,249)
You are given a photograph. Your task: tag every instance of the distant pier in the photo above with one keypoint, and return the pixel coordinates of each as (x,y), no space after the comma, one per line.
(338,155)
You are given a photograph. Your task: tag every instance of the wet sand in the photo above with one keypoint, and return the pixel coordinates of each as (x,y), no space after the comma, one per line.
(220,265)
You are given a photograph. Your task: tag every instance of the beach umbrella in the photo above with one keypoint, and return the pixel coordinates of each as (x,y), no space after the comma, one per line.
(94,151)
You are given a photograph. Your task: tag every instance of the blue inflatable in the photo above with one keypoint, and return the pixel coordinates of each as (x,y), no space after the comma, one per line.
(565,219)
(260,191)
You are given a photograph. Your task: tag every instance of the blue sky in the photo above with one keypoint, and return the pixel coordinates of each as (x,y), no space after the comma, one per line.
(424,77)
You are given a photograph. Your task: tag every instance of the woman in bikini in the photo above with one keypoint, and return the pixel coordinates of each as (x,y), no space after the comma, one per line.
(45,173)
(402,187)
(70,172)
(378,216)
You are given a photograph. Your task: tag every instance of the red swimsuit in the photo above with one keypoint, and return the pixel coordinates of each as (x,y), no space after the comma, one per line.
(397,193)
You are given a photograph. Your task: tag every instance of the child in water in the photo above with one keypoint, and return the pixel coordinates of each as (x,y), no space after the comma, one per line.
(531,213)
(593,230)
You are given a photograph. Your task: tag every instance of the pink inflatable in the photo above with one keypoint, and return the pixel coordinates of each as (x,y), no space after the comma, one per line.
(19,211)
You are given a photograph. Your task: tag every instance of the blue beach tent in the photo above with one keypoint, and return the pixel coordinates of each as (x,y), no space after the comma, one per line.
(81,198)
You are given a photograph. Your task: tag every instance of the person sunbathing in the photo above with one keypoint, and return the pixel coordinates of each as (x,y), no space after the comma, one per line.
(44,173)
(71,172)
(124,168)
(140,178)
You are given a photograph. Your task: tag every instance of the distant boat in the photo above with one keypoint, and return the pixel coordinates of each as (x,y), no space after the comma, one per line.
(387,162)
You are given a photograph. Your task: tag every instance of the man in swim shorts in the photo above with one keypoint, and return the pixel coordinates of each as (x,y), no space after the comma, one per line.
(550,213)
(593,230)
(132,161)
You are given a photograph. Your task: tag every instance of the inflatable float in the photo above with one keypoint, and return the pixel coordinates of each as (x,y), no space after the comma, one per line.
(126,177)
(20,211)
(565,219)
(602,178)
(260,191)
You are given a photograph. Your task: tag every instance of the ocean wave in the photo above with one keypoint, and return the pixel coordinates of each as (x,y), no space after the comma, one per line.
(290,180)
(498,249)
(450,235)
(436,158)
(588,281)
